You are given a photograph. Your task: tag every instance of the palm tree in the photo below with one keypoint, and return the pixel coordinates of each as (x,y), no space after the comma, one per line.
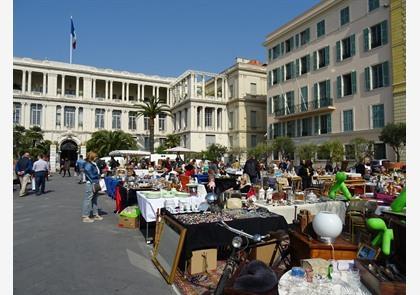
(172,140)
(151,108)
(104,141)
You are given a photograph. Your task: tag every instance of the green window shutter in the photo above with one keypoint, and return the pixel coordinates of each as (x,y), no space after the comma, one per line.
(328,89)
(315,99)
(352,45)
(269,54)
(292,70)
(384,32)
(353,82)
(315,60)
(367,79)
(298,128)
(338,50)
(327,55)
(297,67)
(281,75)
(281,48)
(385,71)
(292,44)
(316,125)
(339,87)
(366,39)
(270,105)
(297,40)
(329,123)
(308,35)
(308,62)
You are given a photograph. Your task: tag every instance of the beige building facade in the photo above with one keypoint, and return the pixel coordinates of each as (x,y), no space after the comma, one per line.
(329,75)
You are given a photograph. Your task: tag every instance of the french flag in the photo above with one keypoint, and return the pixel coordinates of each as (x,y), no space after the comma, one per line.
(73,34)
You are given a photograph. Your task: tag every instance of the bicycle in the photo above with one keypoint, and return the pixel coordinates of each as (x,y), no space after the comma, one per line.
(237,254)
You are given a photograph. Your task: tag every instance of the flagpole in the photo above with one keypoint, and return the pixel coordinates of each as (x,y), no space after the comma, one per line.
(71,49)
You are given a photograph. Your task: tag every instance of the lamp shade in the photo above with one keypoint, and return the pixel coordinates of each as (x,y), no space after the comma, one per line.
(327,225)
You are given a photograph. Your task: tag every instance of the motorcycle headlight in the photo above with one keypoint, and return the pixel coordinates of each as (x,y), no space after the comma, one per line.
(237,242)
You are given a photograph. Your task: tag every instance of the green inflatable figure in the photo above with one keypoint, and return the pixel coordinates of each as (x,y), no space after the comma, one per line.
(385,236)
(399,203)
(339,185)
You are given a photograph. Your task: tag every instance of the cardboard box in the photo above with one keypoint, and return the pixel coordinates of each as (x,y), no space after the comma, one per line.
(202,261)
(128,222)
(264,252)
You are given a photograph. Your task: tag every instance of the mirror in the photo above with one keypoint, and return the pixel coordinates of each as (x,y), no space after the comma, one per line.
(168,245)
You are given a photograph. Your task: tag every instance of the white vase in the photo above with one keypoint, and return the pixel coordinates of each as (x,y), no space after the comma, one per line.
(328,226)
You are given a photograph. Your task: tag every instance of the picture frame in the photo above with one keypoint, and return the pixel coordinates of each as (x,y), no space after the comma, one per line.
(168,246)
(368,252)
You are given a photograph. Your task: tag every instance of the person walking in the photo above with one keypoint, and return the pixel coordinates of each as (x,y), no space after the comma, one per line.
(251,168)
(23,170)
(80,164)
(90,200)
(66,167)
(305,172)
(40,169)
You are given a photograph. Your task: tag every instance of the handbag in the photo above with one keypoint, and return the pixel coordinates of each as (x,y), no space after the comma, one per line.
(96,187)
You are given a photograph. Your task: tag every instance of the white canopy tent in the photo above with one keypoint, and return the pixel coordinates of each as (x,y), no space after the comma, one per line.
(179,149)
(129,153)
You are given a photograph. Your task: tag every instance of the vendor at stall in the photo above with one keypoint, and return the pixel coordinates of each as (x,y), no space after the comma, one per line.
(244,184)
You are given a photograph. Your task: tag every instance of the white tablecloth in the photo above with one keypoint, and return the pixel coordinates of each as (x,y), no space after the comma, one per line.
(288,212)
(149,207)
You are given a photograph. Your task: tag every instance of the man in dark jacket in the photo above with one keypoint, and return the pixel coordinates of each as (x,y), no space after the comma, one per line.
(23,170)
(251,168)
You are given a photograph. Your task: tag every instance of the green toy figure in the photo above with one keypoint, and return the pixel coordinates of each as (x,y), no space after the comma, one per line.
(399,203)
(339,185)
(385,235)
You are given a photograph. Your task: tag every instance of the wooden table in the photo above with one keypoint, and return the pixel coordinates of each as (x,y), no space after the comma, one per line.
(302,248)
(354,183)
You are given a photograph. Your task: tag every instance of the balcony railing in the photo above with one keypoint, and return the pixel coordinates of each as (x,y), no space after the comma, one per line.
(305,107)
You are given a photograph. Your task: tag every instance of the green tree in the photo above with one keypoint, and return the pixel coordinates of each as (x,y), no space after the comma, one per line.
(172,140)
(104,141)
(331,150)
(237,152)
(260,152)
(394,135)
(151,108)
(363,148)
(284,145)
(307,151)
(161,149)
(215,152)
(30,140)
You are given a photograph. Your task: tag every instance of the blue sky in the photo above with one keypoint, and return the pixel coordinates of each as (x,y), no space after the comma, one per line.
(152,37)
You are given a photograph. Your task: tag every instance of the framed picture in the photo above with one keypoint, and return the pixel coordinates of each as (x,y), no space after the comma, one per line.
(168,245)
(368,252)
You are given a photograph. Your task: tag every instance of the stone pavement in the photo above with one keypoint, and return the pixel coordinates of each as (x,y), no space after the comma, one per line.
(55,253)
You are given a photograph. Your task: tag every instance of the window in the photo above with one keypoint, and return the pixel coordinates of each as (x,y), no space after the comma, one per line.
(185,118)
(146,142)
(99,118)
(290,71)
(346,84)
(179,119)
(375,36)
(208,114)
(322,94)
(270,105)
(36,113)
(253,119)
(379,151)
(290,102)
(80,118)
(199,116)
(276,103)
(304,65)
(184,140)
(219,118)
(276,51)
(290,129)
(378,120)
(210,139)
(320,29)
(58,116)
(297,40)
(231,122)
(344,16)
(69,117)
(253,88)
(350,152)
(348,120)
(116,119)
(304,99)
(346,48)
(253,140)
(305,37)
(373,4)
(288,45)
(174,121)
(132,122)
(321,58)
(377,76)
(307,127)
(162,141)
(276,76)
(146,123)
(17,110)
(325,124)
(162,120)
(230,91)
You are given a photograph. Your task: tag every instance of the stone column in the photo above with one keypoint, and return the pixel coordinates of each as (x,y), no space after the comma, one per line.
(23,81)
(128,92)
(153,90)
(203,87)
(44,83)
(138,92)
(223,88)
(77,86)
(106,89)
(168,96)
(123,91)
(62,85)
(215,87)
(29,81)
(142,92)
(53,155)
(62,117)
(157,91)
(44,117)
(94,88)
(111,86)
